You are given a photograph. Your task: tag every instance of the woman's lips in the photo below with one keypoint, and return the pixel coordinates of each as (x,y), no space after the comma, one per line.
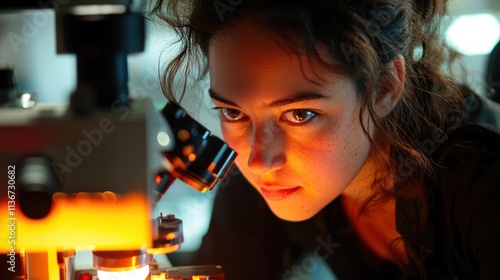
(277,193)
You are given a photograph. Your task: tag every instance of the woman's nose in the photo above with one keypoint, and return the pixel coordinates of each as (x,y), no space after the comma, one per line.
(267,151)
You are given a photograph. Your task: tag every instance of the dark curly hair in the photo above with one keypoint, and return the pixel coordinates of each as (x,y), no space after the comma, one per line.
(361,37)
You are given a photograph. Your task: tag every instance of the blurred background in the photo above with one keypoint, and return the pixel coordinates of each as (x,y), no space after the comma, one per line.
(28,45)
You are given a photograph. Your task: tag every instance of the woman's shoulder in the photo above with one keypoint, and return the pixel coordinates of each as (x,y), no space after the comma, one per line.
(468,165)
(470,136)
(468,154)
(466,202)
(469,146)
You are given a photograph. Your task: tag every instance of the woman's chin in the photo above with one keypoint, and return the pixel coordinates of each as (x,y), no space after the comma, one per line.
(291,214)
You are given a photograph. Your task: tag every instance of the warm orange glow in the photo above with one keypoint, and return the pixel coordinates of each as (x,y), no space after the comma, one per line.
(158,179)
(188,150)
(211,167)
(59,195)
(171,235)
(83,222)
(163,250)
(161,276)
(82,196)
(192,157)
(42,265)
(109,197)
(183,135)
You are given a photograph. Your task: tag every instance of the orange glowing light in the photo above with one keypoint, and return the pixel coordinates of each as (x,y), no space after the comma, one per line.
(109,197)
(192,157)
(171,236)
(211,167)
(83,222)
(83,196)
(187,150)
(161,276)
(163,250)
(183,135)
(158,179)
(59,196)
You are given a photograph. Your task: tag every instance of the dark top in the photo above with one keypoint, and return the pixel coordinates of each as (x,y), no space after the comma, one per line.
(463,238)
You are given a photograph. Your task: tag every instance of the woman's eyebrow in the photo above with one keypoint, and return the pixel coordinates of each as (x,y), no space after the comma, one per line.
(219,98)
(297,97)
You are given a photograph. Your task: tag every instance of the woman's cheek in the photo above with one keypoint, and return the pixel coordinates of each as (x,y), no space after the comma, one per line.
(234,138)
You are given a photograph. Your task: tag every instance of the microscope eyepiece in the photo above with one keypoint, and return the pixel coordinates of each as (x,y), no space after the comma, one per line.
(199,158)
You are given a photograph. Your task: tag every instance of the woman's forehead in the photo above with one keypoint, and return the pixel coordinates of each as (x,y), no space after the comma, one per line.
(250,49)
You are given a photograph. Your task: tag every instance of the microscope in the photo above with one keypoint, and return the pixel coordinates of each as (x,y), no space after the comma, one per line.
(87,175)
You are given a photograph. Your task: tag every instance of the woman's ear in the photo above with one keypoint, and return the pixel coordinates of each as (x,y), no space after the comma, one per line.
(391,87)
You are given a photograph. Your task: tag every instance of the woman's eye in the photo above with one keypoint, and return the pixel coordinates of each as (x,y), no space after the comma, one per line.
(231,115)
(298,116)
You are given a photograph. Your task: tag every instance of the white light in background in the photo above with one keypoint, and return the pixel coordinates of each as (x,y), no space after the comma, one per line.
(474,34)
(135,274)
(163,139)
(87,10)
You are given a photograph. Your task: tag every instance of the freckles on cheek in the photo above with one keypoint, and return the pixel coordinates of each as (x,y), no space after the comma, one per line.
(314,158)
(325,157)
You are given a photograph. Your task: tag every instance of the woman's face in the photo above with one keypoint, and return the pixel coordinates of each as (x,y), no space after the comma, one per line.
(296,129)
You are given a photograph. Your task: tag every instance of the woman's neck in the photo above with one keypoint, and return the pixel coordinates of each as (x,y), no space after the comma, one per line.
(375,222)
(376,227)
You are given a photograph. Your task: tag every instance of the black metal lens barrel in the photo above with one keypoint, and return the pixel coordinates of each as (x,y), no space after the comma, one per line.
(101,38)
(199,158)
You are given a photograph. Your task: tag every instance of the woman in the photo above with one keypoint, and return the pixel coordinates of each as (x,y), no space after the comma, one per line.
(349,129)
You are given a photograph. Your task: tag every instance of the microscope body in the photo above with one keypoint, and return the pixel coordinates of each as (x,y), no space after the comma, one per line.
(100,177)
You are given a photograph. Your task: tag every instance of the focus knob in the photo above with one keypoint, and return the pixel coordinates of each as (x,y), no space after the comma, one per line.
(37,182)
